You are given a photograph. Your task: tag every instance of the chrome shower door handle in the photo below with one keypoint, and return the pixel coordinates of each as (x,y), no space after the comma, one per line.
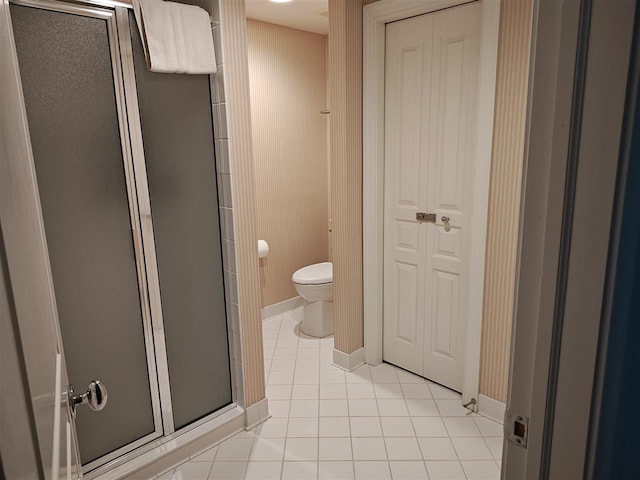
(96,397)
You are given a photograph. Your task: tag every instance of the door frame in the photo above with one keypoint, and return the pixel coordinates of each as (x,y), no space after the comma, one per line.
(574,130)
(375,17)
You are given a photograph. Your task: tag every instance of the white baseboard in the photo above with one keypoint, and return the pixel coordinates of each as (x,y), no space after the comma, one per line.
(282,307)
(491,408)
(257,413)
(348,361)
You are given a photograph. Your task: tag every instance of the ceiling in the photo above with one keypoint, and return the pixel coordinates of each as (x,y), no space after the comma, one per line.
(309,15)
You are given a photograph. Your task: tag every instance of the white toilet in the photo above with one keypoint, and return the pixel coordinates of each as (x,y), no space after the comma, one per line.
(314,283)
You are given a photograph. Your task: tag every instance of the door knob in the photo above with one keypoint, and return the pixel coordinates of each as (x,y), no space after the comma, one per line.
(96,397)
(445,221)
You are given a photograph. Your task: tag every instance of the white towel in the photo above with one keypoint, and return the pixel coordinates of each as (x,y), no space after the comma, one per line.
(177,38)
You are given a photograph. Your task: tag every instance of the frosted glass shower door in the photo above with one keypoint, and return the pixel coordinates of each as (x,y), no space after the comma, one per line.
(177,130)
(69,65)
(125,167)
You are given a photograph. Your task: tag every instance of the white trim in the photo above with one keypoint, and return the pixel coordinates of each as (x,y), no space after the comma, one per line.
(257,413)
(348,361)
(282,307)
(375,16)
(491,408)
(484,141)
(169,453)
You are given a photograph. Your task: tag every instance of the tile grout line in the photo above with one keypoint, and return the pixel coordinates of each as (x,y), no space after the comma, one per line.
(213,460)
(384,438)
(295,360)
(376,396)
(318,421)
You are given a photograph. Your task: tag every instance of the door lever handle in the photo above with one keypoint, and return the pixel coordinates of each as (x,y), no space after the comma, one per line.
(96,397)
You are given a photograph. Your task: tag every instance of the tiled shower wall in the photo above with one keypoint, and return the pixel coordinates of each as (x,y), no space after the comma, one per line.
(221,138)
(233,148)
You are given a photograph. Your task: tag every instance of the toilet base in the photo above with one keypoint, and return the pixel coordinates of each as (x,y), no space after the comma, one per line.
(317,319)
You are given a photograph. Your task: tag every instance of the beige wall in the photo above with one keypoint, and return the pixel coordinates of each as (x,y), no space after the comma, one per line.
(287,71)
(504,197)
(235,114)
(345,65)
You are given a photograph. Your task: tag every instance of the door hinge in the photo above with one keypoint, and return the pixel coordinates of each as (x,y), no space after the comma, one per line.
(516,428)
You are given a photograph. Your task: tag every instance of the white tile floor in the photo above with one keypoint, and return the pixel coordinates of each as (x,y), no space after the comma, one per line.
(374,423)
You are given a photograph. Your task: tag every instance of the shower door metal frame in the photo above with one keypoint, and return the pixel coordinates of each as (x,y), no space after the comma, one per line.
(138,165)
(140,169)
(115,13)
(148,245)
(140,217)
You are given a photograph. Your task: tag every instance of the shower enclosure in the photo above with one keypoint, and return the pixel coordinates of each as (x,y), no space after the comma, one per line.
(125,168)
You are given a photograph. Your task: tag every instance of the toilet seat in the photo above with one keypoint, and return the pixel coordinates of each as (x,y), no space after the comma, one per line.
(317,274)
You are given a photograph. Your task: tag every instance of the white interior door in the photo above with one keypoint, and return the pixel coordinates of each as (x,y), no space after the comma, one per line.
(431,84)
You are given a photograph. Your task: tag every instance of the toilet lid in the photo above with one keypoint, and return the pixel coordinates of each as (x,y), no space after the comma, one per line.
(316,274)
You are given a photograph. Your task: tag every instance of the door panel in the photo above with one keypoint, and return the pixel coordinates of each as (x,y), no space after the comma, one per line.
(454,112)
(449,152)
(456,56)
(445,301)
(177,130)
(408,185)
(407,107)
(68,81)
(431,84)
(406,281)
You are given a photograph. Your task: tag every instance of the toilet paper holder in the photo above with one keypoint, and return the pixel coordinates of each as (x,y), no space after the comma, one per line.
(263,248)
